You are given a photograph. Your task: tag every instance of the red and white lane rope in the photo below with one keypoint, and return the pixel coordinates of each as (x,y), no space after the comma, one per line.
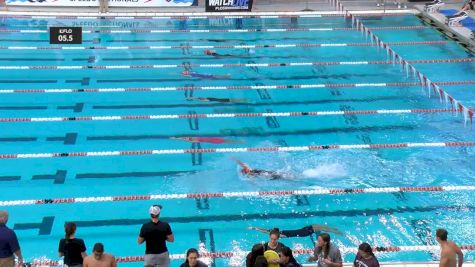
(411,70)
(231,65)
(227,87)
(228,115)
(256,194)
(242,254)
(229,150)
(257,46)
(227,30)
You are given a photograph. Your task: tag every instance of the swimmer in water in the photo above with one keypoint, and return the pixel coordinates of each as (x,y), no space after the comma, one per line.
(212,140)
(188,73)
(215,54)
(302,232)
(248,171)
(220,100)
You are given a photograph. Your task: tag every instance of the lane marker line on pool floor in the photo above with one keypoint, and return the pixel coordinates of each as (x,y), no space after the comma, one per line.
(228,30)
(230,115)
(228,87)
(252,194)
(231,150)
(229,65)
(305,45)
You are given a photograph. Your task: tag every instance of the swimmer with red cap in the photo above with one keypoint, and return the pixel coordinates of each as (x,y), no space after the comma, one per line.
(189,73)
(212,140)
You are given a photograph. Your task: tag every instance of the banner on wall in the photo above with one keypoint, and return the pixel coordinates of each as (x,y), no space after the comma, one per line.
(112,3)
(228,5)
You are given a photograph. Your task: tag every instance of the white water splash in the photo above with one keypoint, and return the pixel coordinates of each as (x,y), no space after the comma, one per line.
(334,170)
(202,250)
(238,258)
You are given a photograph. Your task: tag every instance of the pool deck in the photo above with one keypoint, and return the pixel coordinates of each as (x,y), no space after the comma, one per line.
(402,264)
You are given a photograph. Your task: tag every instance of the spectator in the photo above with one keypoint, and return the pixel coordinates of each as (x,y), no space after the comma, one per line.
(8,244)
(261,261)
(155,234)
(274,243)
(192,256)
(449,250)
(73,249)
(103,6)
(257,250)
(3,3)
(365,257)
(467,5)
(327,254)
(99,258)
(287,258)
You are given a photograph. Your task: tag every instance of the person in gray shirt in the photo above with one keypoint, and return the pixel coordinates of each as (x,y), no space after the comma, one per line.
(326,253)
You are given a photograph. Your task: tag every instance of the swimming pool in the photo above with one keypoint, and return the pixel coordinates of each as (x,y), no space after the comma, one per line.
(123,90)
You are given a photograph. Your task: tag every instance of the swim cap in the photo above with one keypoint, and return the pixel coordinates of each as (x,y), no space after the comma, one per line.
(185,72)
(207,52)
(154,210)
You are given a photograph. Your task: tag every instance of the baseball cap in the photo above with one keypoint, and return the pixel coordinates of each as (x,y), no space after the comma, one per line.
(155,209)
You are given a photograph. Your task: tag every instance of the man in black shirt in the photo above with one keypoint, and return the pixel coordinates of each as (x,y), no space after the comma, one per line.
(155,234)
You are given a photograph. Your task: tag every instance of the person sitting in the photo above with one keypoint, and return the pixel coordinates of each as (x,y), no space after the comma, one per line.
(192,256)
(302,232)
(287,258)
(189,73)
(467,5)
(365,257)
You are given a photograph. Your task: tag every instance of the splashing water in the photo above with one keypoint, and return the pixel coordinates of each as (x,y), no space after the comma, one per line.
(333,170)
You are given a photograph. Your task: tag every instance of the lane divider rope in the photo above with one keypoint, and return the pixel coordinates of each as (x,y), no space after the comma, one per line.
(227,115)
(257,46)
(228,87)
(231,65)
(200,16)
(242,254)
(231,150)
(228,30)
(411,70)
(255,194)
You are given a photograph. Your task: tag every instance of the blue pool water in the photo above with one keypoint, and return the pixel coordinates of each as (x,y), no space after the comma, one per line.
(382,219)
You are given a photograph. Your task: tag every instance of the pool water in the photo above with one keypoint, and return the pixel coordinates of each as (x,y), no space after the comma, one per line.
(220,223)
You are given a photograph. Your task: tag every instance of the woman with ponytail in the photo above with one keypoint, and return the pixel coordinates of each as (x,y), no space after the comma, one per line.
(73,249)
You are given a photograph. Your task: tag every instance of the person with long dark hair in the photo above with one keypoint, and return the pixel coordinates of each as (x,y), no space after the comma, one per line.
(192,256)
(365,257)
(287,258)
(257,251)
(327,254)
(73,249)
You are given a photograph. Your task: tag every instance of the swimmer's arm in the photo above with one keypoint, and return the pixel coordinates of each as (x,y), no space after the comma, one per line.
(259,229)
(240,163)
(318,227)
